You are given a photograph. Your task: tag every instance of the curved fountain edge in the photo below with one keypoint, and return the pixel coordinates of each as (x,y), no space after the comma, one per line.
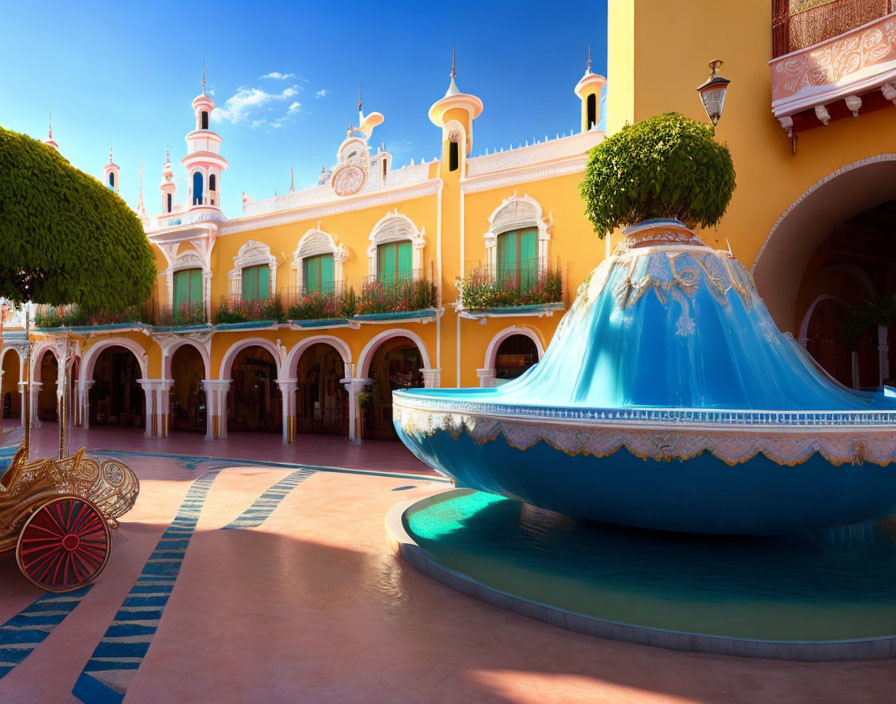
(403,545)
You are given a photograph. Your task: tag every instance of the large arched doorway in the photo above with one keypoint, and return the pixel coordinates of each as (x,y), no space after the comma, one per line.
(47,406)
(515,355)
(395,365)
(12,407)
(321,400)
(116,397)
(843,298)
(187,406)
(254,402)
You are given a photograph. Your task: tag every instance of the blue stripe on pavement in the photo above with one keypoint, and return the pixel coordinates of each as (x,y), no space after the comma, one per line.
(265,504)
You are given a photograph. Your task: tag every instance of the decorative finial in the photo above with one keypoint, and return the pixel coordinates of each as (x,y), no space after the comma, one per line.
(453,71)
(588,63)
(292,173)
(110,151)
(359,97)
(203,76)
(51,127)
(167,155)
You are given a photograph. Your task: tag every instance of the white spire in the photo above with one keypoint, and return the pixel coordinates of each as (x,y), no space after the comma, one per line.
(49,140)
(141,208)
(292,181)
(452,87)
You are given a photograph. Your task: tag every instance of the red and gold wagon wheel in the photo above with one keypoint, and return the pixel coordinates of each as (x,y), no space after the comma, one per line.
(64,544)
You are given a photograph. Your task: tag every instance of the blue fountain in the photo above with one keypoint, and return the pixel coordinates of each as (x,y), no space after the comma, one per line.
(668,399)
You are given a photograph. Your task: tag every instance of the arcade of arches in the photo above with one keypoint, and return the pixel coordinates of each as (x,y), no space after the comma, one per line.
(186,397)
(321,399)
(12,404)
(516,354)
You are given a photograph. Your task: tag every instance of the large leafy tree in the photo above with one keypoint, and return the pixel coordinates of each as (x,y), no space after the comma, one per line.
(64,236)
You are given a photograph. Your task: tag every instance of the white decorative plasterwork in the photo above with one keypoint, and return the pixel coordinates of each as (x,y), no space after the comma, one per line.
(314,243)
(547,151)
(188,259)
(514,177)
(252,254)
(516,213)
(395,227)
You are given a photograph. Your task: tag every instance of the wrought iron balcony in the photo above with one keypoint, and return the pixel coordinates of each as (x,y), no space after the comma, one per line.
(235,310)
(72,316)
(396,293)
(334,301)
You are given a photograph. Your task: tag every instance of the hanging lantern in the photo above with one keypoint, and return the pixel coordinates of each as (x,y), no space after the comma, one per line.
(712,92)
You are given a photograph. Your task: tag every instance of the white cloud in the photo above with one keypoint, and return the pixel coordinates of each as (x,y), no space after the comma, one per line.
(277,76)
(321,93)
(240,106)
(294,108)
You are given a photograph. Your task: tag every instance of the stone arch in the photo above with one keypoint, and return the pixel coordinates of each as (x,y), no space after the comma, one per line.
(804,324)
(491,351)
(805,224)
(37,356)
(169,355)
(371,347)
(236,347)
(90,356)
(295,354)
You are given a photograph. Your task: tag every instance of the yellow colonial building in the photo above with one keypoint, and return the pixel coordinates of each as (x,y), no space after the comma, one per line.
(303,314)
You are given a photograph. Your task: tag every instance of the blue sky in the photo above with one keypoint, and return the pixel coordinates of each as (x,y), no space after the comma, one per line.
(286,76)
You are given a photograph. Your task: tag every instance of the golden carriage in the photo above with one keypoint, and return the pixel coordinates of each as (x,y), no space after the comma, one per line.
(57,514)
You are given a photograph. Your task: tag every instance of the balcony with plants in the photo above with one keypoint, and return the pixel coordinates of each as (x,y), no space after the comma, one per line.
(47,317)
(184,315)
(395,296)
(831,59)
(234,312)
(532,287)
(326,305)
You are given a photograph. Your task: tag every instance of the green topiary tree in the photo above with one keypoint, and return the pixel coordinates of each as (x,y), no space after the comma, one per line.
(667,166)
(64,237)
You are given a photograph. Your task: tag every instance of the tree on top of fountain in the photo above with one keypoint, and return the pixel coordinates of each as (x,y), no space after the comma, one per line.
(667,166)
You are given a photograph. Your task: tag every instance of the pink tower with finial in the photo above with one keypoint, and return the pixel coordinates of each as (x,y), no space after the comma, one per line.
(203,162)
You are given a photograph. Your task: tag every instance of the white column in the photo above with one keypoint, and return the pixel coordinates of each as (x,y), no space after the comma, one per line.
(215,407)
(84,387)
(163,406)
(883,352)
(432,378)
(486,377)
(354,386)
(35,390)
(149,397)
(288,394)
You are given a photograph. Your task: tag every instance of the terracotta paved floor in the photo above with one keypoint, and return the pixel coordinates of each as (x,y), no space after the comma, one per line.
(312,607)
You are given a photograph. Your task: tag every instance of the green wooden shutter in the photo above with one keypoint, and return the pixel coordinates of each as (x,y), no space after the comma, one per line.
(405,261)
(264,282)
(507,258)
(311,274)
(195,287)
(250,283)
(385,263)
(181,289)
(528,258)
(326,273)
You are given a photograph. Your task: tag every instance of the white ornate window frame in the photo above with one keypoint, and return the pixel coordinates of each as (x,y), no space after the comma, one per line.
(189,259)
(395,227)
(252,254)
(517,213)
(314,243)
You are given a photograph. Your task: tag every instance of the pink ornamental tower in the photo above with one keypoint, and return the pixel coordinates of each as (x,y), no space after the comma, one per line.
(203,161)
(110,173)
(167,185)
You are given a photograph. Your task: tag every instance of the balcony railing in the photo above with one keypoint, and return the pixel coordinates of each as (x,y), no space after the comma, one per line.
(398,293)
(70,316)
(235,310)
(182,315)
(533,282)
(335,301)
(797,24)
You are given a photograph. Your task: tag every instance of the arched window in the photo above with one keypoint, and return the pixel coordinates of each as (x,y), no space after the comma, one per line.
(112,179)
(453,156)
(168,198)
(517,260)
(204,119)
(213,183)
(197,188)
(187,293)
(592,110)
(256,282)
(318,274)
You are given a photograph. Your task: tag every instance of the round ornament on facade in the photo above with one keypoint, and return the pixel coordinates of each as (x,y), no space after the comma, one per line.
(349,180)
